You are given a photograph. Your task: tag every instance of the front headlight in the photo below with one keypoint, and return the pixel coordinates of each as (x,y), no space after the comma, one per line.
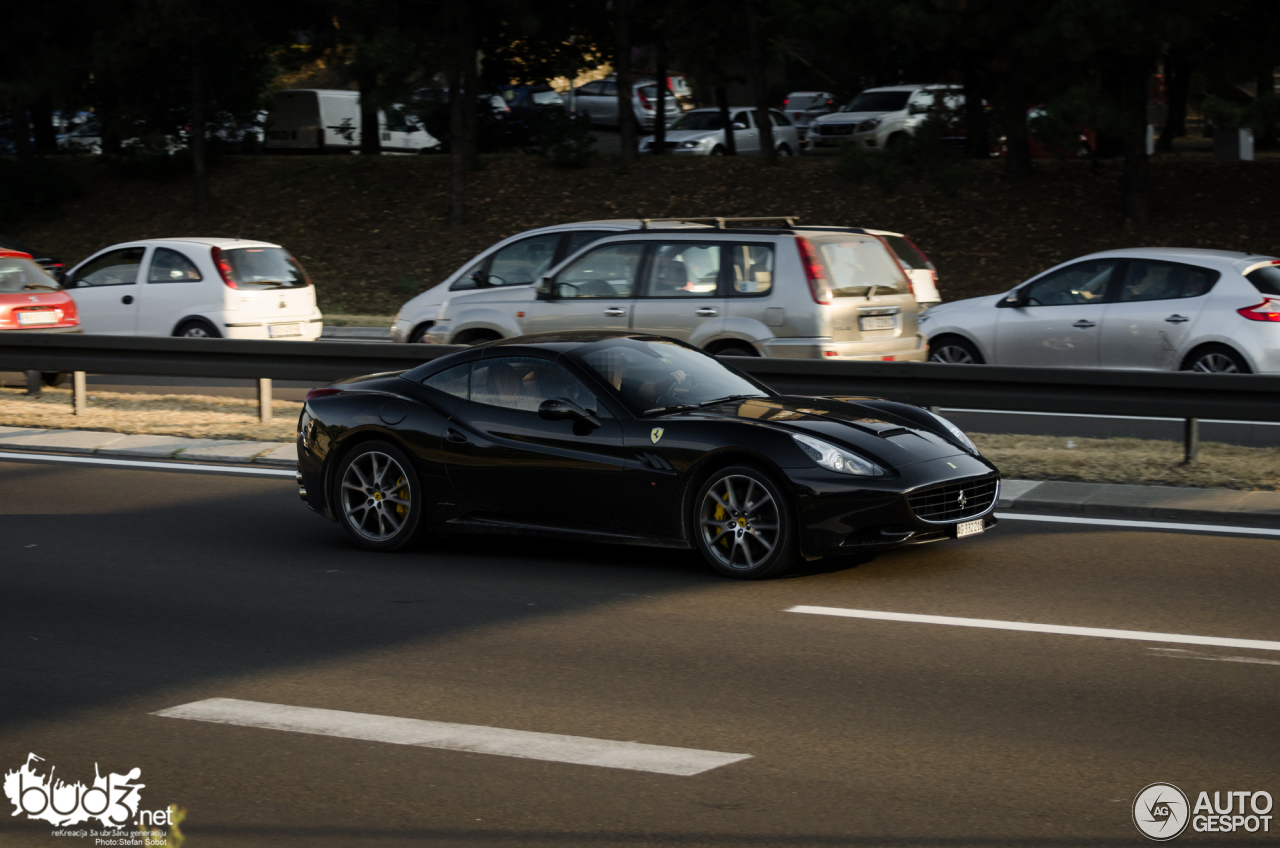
(687,144)
(836,459)
(956,432)
(868,125)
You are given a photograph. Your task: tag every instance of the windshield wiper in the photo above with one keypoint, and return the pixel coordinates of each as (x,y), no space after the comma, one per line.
(728,398)
(672,408)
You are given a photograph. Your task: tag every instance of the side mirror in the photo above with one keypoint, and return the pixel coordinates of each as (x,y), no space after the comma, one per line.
(739,126)
(61,277)
(561,409)
(546,289)
(1012,300)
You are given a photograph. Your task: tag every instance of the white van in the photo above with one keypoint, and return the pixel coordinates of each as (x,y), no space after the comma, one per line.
(321,119)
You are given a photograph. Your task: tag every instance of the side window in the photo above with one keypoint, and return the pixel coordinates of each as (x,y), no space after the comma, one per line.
(608,271)
(395,121)
(523,262)
(582,238)
(741,118)
(1083,283)
(1164,281)
(466,280)
(170,266)
(684,269)
(779,119)
(609,89)
(592,89)
(116,268)
(454,381)
(752,269)
(523,383)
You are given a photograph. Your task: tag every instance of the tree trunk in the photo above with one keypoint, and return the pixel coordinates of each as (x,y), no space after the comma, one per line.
(660,107)
(764,126)
(1017,146)
(457,149)
(622,68)
(1266,135)
(470,102)
(199,118)
(977,139)
(1175,122)
(46,137)
(730,142)
(370,132)
(1134,180)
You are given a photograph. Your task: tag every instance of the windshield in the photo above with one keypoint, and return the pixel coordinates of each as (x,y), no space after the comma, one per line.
(1266,279)
(878,101)
(698,121)
(263,268)
(654,375)
(547,98)
(18,275)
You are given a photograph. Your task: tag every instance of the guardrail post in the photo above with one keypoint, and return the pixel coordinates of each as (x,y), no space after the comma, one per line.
(79,400)
(33,382)
(264,399)
(1190,440)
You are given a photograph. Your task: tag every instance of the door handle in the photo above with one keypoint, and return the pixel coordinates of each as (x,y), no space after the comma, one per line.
(708,312)
(1177,319)
(1084,325)
(454,436)
(127,299)
(615,312)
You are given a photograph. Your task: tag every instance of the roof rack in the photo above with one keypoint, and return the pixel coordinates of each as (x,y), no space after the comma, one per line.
(646,223)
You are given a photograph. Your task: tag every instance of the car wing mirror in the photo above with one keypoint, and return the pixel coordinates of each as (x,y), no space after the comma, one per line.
(1012,300)
(563,409)
(546,289)
(739,126)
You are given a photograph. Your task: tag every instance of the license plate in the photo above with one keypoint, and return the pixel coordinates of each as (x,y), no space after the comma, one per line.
(277,331)
(969,528)
(45,316)
(878,322)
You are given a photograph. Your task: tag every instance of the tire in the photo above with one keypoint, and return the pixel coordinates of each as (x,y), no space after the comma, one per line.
(896,140)
(478,337)
(419,334)
(378,496)
(742,534)
(953,350)
(53,378)
(1216,359)
(197,328)
(735,350)
(784,150)
(718,150)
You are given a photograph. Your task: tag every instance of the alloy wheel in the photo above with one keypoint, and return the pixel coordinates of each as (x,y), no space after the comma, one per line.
(376,496)
(1216,363)
(952,354)
(196,332)
(740,522)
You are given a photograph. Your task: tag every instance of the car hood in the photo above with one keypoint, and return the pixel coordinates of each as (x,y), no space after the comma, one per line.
(945,309)
(868,425)
(687,135)
(846,117)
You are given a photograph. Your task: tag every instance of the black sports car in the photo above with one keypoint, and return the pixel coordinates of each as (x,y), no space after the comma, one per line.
(634,439)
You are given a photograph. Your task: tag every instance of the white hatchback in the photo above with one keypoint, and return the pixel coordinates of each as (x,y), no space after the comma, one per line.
(198,287)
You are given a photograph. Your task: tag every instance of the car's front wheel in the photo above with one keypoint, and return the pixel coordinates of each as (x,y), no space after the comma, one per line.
(954,351)
(379,496)
(743,524)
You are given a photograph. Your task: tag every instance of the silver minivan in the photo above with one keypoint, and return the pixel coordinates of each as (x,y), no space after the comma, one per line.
(789,291)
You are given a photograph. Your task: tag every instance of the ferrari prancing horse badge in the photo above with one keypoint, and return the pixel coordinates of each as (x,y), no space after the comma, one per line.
(655,434)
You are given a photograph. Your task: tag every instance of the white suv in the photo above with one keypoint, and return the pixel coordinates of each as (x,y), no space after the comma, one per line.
(880,117)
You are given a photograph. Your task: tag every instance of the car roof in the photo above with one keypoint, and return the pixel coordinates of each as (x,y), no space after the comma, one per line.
(731,109)
(912,87)
(567,340)
(215,241)
(1186,254)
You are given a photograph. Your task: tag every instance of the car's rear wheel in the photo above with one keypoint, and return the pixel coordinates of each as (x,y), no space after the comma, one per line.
(735,350)
(1216,359)
(954,351)
(717,151)
(784,150)
(379,496)
(198,329)
(743,524)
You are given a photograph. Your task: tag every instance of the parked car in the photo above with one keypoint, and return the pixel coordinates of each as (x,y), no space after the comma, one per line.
(879,117)
(1164,309)
(794,292)
(525,100)
(32,300)
(196,287)
(700,133)
(677,84)
(47,261)
(803,106)
(328,120)
(598,100)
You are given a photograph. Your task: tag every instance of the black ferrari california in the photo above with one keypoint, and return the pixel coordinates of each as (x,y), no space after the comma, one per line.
(634,439)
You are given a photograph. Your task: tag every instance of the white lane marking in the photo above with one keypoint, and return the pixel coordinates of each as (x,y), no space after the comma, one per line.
(137,463)
(1146,525)
(1184,654)
(525,744)
(1032,627)
(1123,417)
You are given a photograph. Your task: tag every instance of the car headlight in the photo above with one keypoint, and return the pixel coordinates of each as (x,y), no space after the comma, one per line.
(691,144)
(836,459)
(868,125)
(956,432)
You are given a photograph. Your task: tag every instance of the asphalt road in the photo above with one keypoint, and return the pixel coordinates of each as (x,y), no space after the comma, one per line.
(125,592)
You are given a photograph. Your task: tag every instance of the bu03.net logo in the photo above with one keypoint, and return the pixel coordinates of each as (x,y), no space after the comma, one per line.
(112,800)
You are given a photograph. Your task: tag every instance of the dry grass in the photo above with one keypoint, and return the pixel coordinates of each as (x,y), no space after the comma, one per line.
(341,320)
(198,416)
(1139,461)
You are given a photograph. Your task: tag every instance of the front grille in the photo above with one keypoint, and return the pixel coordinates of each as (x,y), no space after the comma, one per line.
(954,501)
(835,129)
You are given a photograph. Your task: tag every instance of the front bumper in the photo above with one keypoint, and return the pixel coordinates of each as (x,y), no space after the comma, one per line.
(849,515)
(909,349)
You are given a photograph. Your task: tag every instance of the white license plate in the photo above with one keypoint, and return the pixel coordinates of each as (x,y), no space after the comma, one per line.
(969,528)
(878,322)
(277,331)
(46,316)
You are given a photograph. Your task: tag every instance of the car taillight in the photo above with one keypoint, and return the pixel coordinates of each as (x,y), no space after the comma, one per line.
(225,271)
(928,264)
(1268,310)
(325,391)
(644,101)
(814,271)
(785,102)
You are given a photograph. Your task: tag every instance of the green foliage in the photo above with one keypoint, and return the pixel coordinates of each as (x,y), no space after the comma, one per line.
(931,157)
(1259,114)
(38,189)
(564,138)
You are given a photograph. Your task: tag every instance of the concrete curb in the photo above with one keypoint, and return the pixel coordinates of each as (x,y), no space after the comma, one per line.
(33,440)
(1142,503)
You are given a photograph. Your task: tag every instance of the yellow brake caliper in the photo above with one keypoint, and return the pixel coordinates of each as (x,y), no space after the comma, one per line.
(720,514)
(402,493)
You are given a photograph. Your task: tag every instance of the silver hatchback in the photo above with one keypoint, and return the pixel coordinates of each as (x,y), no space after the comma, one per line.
(795,292)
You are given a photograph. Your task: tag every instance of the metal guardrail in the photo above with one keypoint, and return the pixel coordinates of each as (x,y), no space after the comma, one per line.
(1016,389)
